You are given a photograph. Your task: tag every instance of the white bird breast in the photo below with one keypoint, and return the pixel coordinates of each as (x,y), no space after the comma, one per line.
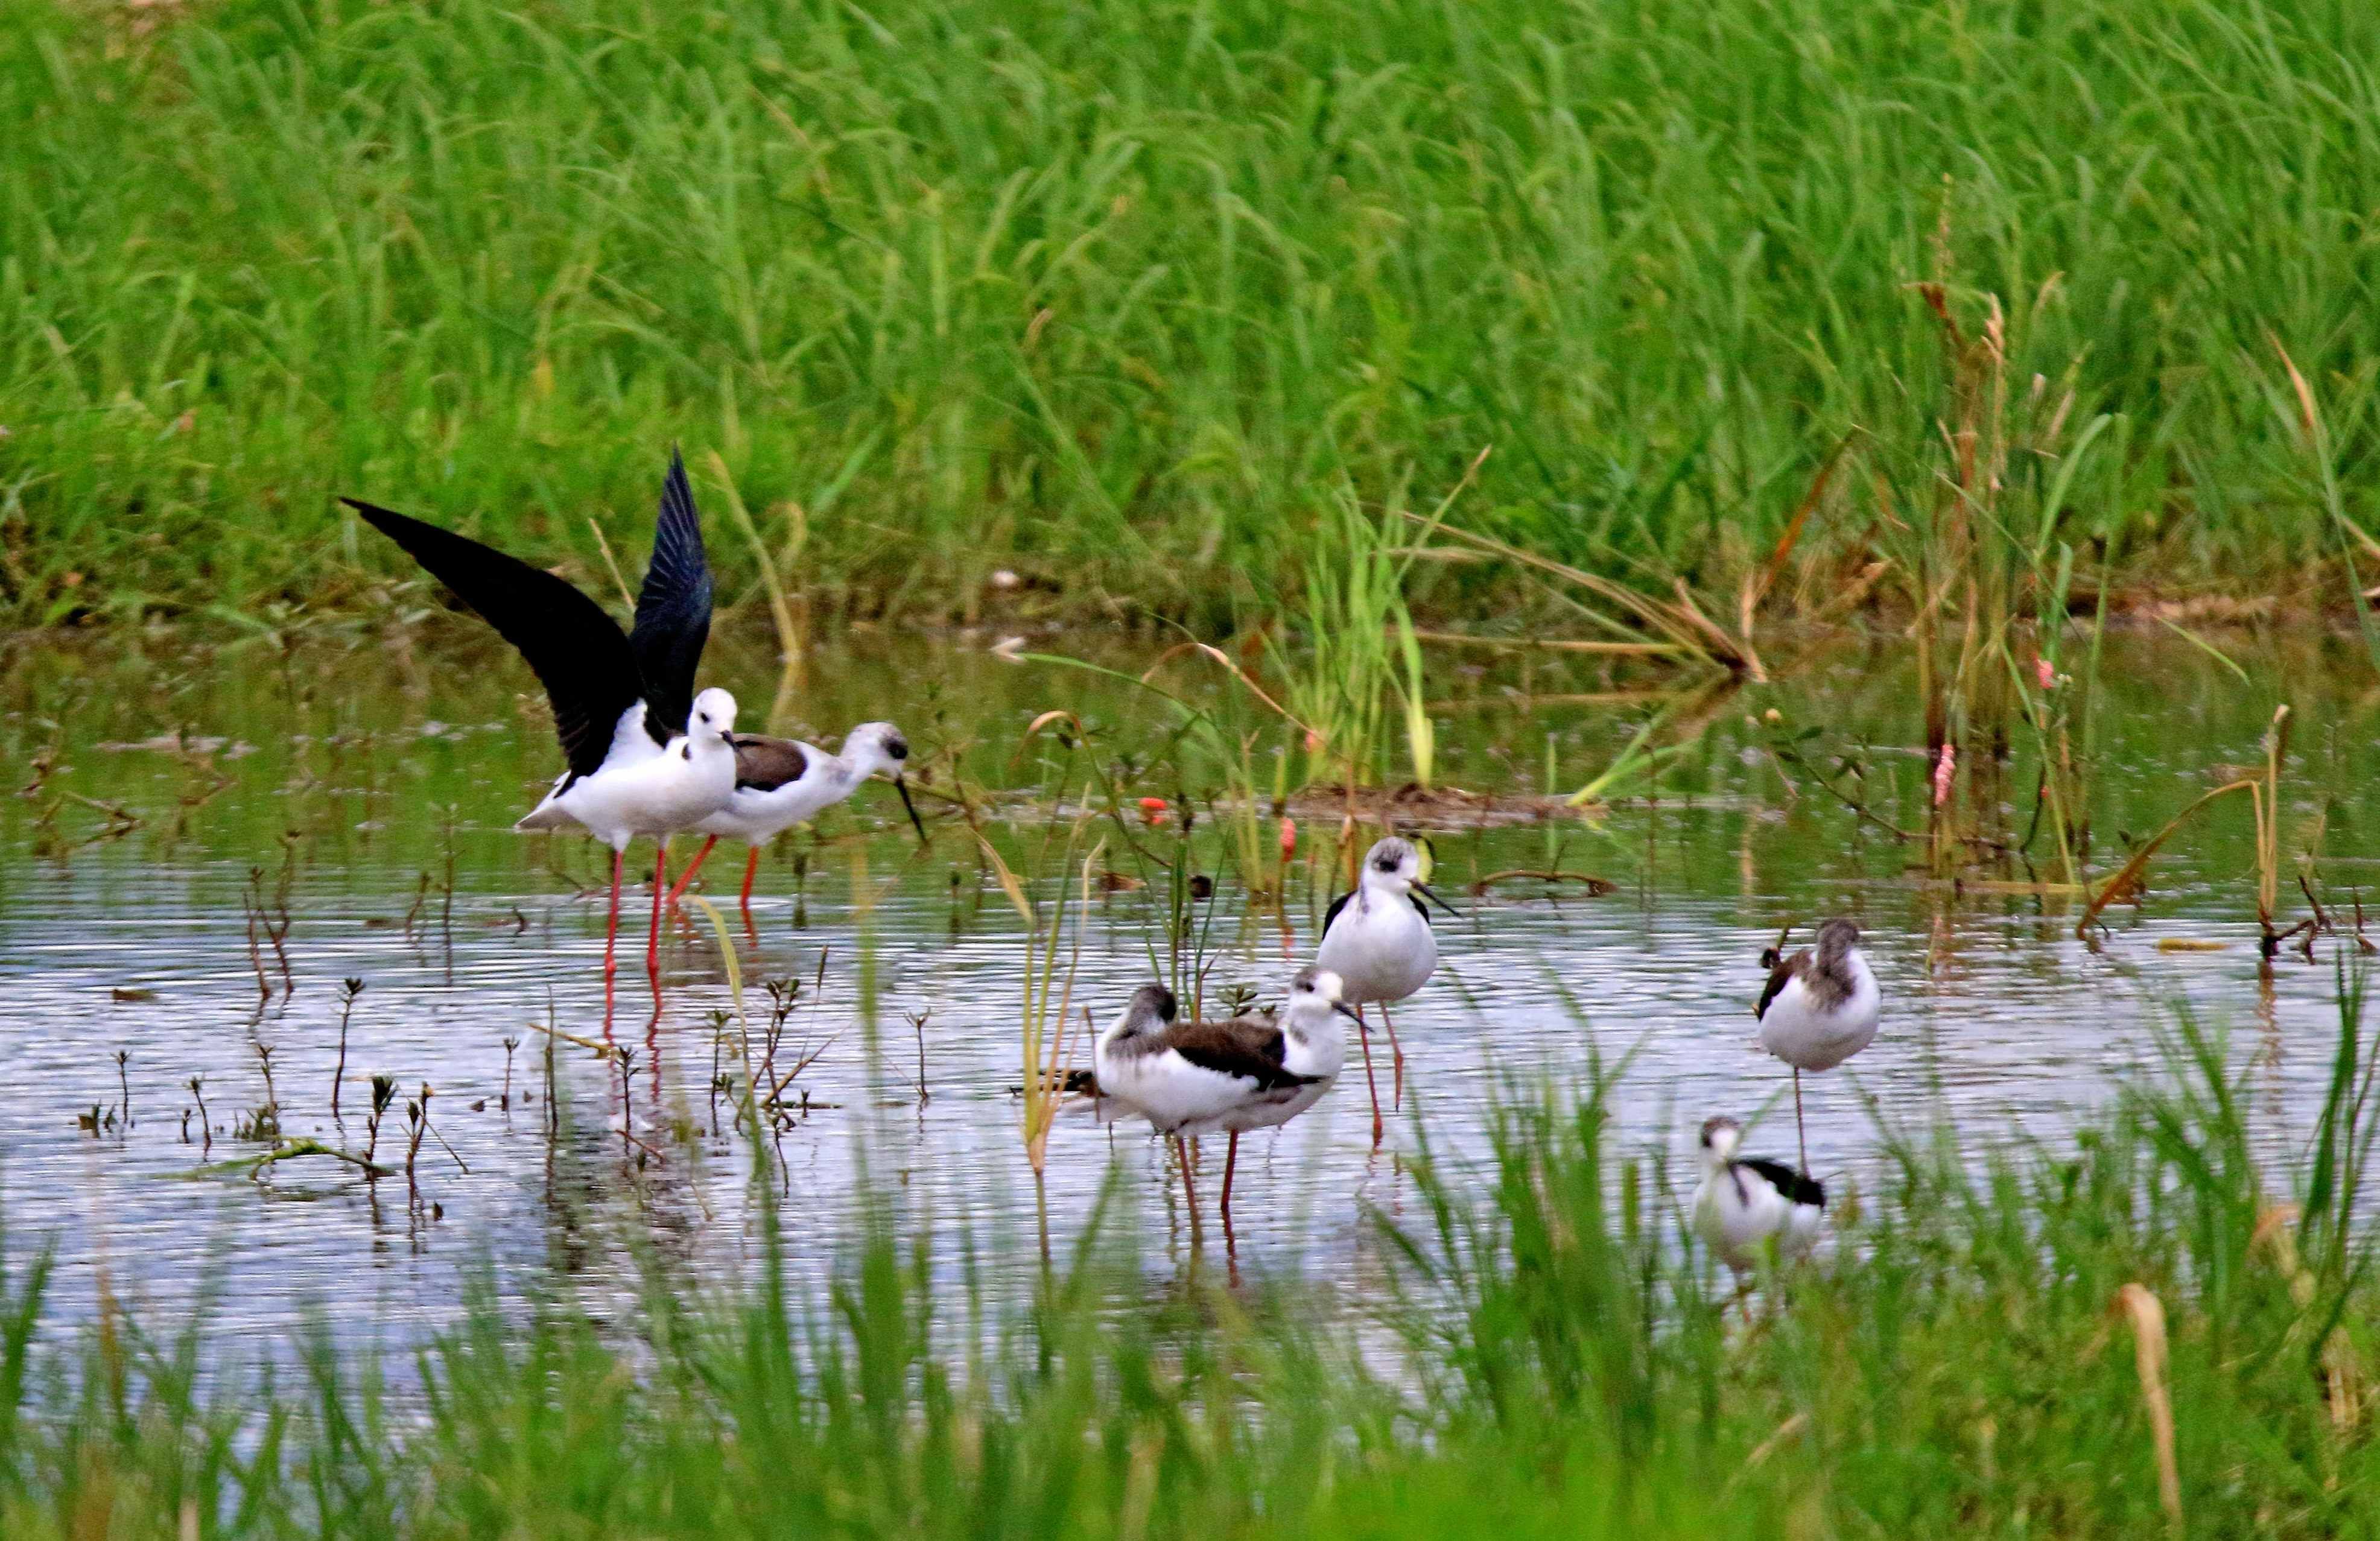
(1170,1091)
(1736,1225)
(1797,1032)
(658,795)
(1380,947)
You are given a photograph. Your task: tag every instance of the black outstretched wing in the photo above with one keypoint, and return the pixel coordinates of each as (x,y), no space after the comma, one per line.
(1254,1050)
(673,609)
(1796,1187)
(577,652)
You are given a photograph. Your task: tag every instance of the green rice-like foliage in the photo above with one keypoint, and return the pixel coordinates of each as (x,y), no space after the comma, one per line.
(1127,296)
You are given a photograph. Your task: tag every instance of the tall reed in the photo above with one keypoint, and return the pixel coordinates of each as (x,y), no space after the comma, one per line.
(1117,298)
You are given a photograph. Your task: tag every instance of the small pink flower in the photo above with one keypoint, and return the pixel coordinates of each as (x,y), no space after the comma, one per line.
(1288,837)
(1942,770)
(2043,672)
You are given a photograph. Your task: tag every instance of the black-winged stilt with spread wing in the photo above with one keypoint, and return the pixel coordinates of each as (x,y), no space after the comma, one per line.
(647,754)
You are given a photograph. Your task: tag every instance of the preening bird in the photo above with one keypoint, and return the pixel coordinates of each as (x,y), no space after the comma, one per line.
(645,754)
(1377,939)
(1742,1204)
(1820,1009)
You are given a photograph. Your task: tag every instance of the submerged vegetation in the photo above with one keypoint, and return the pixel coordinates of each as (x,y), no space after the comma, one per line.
(2153,1326)
(1053,306)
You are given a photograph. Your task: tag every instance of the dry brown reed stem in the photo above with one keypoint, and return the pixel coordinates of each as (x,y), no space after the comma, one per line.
(1234,668)
(1687,632)
(1757,586)
(612,565)
(2147,1317)
(1032,731)
(2126,878)
(2264,793)
(788,611)
(1550,644)
(599,1050)
(2342,1374)
(2317,443)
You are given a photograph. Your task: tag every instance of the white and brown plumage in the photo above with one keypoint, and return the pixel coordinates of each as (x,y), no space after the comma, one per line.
(1377,937)
(1246,1073)
(781,782)
(1819,1009)
(1744,1203)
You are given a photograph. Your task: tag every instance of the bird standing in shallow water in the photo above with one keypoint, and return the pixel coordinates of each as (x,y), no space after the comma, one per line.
(782,782)
(1743,1204)
(1377,939)
(1820,1009)
(647,756)
(1191,1078)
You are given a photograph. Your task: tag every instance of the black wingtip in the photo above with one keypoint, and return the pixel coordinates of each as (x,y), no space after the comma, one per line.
(677,493)
(403,528)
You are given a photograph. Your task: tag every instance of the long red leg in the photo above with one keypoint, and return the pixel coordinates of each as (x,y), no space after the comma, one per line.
(1800,1135)
(1231,1160)
(1189,1190)
(611,940)
(653,937)
(751,871)
(1364,1033)
(1397,1051)
(691,868)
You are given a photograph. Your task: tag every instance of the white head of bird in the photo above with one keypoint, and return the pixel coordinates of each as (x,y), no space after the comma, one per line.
(874,748)
(1721,1137)
(1392,869)
(713,724)
(1314,1000)
(1392,865)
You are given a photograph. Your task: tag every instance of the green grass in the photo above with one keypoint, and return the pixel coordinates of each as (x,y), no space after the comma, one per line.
(1127,296)
(1557,1362)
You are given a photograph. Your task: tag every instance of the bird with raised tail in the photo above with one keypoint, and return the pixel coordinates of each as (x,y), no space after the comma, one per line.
(1745,1204)
(782,782)
(1246,1073)
(645,754)
(1377,939)
(1819,1009)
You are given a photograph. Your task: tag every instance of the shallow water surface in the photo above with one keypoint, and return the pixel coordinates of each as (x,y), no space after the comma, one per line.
(166,790)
